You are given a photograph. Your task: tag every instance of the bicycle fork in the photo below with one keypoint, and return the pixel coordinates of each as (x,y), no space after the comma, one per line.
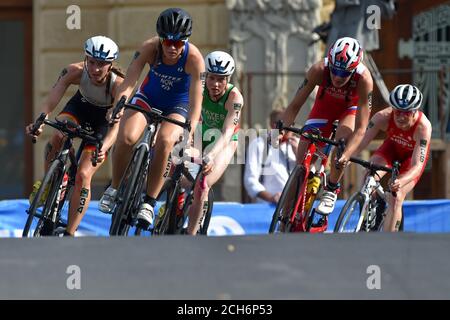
(370,186)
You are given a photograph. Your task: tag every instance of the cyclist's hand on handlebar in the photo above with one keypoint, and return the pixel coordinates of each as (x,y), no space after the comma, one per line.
(395,185)
(208,165)
(33,131)
(114,114)
(116,119)
(342,162)
(101,155)
(29,130)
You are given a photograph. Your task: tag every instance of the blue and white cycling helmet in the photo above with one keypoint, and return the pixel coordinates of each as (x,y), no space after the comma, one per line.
(219,63)
(406,97)
(101,48)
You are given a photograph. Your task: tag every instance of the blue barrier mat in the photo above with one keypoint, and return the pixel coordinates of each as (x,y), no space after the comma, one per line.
(230,218)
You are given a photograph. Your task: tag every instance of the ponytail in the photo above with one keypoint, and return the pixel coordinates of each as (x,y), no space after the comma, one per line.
(118,71)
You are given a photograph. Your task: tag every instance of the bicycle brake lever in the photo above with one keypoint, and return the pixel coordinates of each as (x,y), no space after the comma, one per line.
(39,121)
(119,106)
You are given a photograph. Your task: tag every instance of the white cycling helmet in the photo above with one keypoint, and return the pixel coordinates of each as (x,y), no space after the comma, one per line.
(101,48)
(219,63)
(406,97)
(345,54)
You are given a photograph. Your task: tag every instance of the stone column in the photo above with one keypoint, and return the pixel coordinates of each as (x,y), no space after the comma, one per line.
(272,38)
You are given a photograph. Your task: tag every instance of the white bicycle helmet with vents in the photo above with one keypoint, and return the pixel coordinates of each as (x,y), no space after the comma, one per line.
(101,48)
(219,63)
(406,97)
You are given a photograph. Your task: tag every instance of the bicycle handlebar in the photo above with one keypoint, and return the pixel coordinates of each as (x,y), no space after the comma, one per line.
(152,115)
(376,167)
(73,130)
(370,165)
(315,135)
(39,121)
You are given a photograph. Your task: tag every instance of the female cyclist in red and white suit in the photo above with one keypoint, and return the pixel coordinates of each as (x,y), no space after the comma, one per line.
(408,134)
(344,94)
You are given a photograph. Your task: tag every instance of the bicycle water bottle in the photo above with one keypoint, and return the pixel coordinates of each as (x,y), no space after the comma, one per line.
(64,186)
(312,189)
(314,184)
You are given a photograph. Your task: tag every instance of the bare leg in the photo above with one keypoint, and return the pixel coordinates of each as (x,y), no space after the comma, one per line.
(394,213)
(201,194)
(81,195)
(344,130)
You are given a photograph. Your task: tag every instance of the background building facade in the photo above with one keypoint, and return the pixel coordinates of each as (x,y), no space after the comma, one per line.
(270,40)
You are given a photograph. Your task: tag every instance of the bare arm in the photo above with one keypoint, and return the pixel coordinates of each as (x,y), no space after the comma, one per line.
(142,56)
(422,138)
(365,89)
(195,66)
(69,75)
(377,123)
(313,78)
(233,105)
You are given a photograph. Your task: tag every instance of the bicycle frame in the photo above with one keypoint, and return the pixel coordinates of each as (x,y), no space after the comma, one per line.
(301,220)
(371,192)
(129,194)
(174,216)
(72,167)
(64,163)
(370,186)
(144,143)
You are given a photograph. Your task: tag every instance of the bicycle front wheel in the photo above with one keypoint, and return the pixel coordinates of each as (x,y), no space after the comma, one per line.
(128,194)
(350,215)
(286,205)
(47,192)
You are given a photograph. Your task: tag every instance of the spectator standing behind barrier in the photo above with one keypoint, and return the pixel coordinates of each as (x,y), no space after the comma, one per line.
(267,168)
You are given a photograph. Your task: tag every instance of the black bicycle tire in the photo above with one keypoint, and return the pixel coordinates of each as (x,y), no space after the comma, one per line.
(52,199)
(135,195)
(34,205)
(171,209)
(297,172)
(358,196)
(135,164)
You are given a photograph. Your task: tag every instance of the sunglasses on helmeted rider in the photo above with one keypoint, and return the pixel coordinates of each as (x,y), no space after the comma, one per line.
(176,43)
(340,73)
(403,112)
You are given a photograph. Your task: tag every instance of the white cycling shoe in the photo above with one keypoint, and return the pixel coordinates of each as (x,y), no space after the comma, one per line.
(327,202)
(145,216)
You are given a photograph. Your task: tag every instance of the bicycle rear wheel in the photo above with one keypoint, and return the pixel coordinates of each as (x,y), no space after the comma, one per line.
(350,214)
(288,199)
(128,194)
(50,184)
